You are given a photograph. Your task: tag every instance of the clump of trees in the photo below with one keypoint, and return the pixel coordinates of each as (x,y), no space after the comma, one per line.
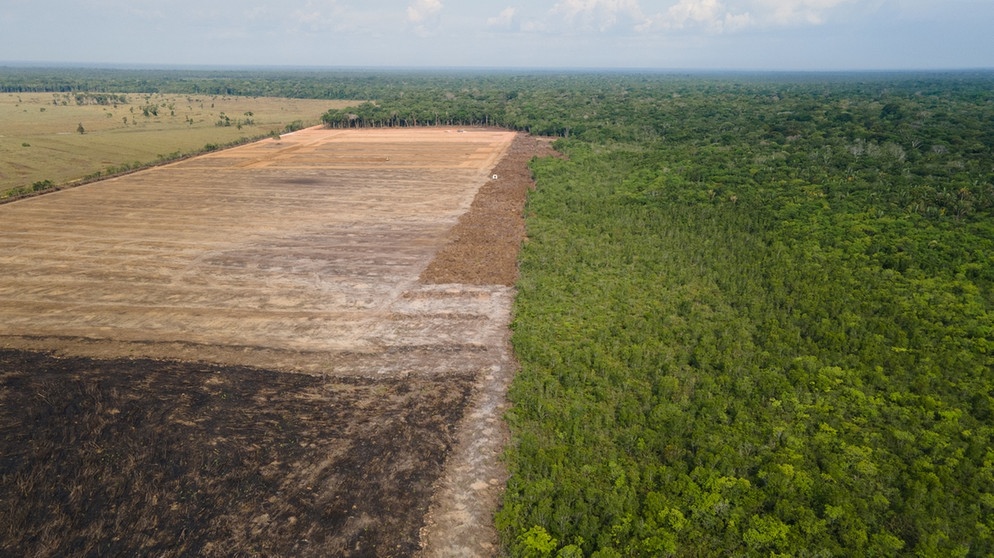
(225,121)
(101,99)
(37,186)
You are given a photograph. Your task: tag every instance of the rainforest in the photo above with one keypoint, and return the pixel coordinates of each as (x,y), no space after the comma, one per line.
(754,318)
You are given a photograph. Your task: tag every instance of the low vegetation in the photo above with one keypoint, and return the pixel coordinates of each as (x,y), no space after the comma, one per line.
(60,138)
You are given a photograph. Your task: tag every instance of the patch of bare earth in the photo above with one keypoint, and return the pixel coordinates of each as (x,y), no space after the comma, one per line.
(294,348)
(484,251)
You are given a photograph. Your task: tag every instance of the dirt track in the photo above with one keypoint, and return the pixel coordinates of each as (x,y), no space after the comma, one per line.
(340,257)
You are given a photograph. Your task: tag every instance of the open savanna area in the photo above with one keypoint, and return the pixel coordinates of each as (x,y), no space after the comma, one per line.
(262,351)
(61,137)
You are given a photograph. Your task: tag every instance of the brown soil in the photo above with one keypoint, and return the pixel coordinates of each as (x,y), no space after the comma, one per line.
(484,245)
(235,355)
(483,249)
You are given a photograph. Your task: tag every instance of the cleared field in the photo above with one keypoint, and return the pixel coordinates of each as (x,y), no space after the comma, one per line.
(265,252)
(228,306)
(40,139)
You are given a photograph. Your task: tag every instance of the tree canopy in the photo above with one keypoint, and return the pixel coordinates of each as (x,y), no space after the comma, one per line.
(754,318)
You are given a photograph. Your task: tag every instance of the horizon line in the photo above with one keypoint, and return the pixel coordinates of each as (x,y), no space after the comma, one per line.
(482,68)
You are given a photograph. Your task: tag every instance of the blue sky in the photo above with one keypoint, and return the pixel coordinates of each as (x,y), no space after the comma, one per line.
(662,34)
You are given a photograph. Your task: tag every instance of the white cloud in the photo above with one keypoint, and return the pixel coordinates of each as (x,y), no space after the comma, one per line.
(324,16)
(711,15)
(600,15)
(695,11)
(504,19)
(791,12)
(719,16)
(338,18)
(421,10)
(732,21)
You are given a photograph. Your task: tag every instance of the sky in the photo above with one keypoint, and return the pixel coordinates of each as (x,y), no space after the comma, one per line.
(780,35)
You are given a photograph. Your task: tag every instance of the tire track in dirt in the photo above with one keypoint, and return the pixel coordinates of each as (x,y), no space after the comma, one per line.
(483,250)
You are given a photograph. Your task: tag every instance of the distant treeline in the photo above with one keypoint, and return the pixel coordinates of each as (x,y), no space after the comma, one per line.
(257,83)
(615,107)
(602,105)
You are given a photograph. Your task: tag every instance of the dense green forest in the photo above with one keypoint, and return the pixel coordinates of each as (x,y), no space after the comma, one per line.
(755,310)
(754,318)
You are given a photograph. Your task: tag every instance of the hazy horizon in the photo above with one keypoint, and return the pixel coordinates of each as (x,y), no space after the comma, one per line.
(661,35)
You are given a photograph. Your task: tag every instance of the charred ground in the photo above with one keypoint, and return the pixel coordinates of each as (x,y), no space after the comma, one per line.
(123,457)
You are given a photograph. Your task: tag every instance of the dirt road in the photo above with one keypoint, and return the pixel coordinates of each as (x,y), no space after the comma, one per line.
(345,277)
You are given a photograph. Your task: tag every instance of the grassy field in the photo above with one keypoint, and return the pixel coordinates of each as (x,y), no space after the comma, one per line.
(41,139)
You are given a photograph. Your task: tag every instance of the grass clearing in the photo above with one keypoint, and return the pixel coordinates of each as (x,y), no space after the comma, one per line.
(40,135)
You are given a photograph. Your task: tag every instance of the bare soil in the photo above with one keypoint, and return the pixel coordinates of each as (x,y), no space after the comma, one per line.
(293,348)
(484,244)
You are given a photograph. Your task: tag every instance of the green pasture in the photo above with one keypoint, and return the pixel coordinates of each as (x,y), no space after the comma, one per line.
(60,138)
